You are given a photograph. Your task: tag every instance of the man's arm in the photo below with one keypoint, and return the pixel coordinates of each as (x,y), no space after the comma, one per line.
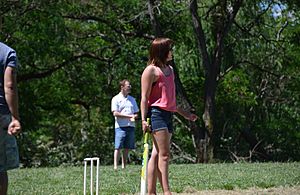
(118,114)
(136,109)
(11,96)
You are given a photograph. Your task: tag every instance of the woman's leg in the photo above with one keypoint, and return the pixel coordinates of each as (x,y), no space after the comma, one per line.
(152,171)
(162,145)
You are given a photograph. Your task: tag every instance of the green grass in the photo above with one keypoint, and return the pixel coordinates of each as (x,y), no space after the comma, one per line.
(183,178)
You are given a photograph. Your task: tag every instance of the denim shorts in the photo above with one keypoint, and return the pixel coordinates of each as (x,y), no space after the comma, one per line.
(161,119)
(124,138)
(9,154)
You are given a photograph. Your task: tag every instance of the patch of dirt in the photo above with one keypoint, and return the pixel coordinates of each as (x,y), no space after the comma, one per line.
(251,191)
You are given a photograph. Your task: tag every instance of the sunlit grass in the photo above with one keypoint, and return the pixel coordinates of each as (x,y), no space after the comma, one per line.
(183,178)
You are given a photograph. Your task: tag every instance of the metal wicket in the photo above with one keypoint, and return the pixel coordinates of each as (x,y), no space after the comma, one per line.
(91,160)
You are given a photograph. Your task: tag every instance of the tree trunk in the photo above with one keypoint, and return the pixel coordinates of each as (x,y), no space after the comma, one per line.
(154,22)
(204,144)
(221,25)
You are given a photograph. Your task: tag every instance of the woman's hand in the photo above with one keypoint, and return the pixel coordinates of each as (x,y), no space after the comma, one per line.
(187,115)
(192,117)
(145,126)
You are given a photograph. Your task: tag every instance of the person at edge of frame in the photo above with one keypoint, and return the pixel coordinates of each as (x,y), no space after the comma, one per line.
(125,111)
(158,100)
(9,115)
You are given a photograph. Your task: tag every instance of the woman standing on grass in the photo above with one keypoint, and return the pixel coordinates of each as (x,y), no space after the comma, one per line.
(159,102)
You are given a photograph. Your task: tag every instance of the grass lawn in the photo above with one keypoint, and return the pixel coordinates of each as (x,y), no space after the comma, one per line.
(186,178)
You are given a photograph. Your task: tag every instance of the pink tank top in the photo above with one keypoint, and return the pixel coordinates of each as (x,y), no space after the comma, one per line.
(163,92)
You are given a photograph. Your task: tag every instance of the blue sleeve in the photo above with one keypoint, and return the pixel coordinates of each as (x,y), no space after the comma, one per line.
(12,59)
(136,108)
(114,105)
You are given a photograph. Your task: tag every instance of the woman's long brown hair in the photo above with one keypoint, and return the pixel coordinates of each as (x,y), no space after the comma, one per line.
(159,51)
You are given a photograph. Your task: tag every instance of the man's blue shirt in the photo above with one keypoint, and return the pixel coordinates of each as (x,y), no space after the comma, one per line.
(8,57)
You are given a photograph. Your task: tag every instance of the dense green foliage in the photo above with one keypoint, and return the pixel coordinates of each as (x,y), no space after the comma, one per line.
(73,53)
(183,178)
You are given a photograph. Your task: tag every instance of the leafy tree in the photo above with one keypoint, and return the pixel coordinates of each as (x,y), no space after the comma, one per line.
(239,68)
